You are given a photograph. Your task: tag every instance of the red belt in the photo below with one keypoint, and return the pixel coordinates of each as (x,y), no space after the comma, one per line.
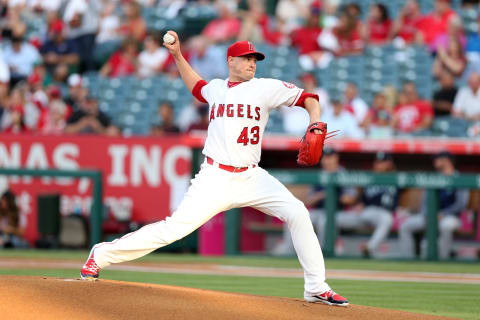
(228,168)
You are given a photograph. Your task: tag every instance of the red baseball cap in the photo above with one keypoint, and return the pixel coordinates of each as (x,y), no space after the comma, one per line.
(56,26)
(54,91)
(242,48)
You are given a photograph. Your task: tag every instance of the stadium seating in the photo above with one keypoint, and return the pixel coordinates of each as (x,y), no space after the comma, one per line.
(129,100)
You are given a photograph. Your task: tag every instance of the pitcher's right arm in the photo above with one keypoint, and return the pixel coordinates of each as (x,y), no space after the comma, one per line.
(189,76)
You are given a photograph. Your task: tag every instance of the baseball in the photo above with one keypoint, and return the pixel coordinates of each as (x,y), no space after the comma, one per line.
(168,38)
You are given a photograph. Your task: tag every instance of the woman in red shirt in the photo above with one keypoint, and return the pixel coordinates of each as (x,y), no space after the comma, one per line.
(348,36)
(123,62)
(451,59)
(379,25)
(406,25)
(18,124)
(134,25)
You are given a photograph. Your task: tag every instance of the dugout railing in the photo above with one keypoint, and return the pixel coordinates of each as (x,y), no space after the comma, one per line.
(431,182)
(97,193)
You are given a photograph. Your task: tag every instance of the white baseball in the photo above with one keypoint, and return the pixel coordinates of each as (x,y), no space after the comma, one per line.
(168,38)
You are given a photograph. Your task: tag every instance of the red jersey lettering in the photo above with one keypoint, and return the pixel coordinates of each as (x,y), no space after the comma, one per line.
(230,110)
(220,110)
(240,110)
(212,113)
(257,112)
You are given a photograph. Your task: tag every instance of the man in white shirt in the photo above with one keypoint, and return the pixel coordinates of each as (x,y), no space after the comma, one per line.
(4,79)
(152,58)
(354,104)
(345,122)
(467,100)
(20,57)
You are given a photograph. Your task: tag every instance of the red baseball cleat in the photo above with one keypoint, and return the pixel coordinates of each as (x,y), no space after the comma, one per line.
(90,270)
(328,297)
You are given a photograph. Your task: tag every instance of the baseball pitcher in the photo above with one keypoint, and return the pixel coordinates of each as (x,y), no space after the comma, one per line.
(230,176)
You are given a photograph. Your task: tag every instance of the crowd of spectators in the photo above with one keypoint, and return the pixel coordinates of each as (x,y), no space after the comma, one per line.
(42,89)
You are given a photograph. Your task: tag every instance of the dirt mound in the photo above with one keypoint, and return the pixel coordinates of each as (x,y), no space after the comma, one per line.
(51,298)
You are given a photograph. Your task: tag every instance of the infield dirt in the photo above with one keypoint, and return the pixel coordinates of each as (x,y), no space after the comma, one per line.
(57,298)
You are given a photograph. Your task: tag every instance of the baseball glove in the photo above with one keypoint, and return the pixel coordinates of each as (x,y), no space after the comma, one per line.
(311,148)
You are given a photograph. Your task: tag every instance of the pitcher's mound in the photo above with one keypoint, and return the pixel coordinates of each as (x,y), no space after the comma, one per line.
(50,298)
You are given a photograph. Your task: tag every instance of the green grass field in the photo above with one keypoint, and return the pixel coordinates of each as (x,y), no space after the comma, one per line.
(451,299)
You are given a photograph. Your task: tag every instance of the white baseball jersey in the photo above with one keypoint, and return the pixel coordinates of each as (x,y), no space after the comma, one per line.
(238,116)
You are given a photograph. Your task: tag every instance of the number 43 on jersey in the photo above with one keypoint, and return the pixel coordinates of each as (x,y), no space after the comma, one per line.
(244,136)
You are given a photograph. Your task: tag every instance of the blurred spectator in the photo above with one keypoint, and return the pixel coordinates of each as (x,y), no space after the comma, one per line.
(378,121)
(375,207)
(257,26)
(297,120)
(451,203)
(435,23)
(11,23)
(20,56)
(54,119)
(81,17)
(293,12)
(454,32)
(55,105)
(153,58)
(354,103)
(304,39)
(4,80)
(348,36)
(467,100)
(77,92)
(108,24)
(11,230)
(35,93)
(59,78)
(443,98)
(340,119)
(405,27)
(107,39)
(473,50)
(123,62)
(88,119)
(451,59)
(17,108)
(379,25)
(470,4)
(203,57)
(329,12)
(226,27)
(189,114)
(133,26)
(167,123)
(412,114)
(202,123)
(45,5)
(17,123)
(57,49)
(315,202)
(354,10)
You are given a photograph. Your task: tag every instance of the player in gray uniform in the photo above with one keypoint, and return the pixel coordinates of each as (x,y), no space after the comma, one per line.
(451,204)
(375,210)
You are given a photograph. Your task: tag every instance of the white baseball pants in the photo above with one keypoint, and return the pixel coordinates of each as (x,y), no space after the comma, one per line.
(417,222)
(214,190)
